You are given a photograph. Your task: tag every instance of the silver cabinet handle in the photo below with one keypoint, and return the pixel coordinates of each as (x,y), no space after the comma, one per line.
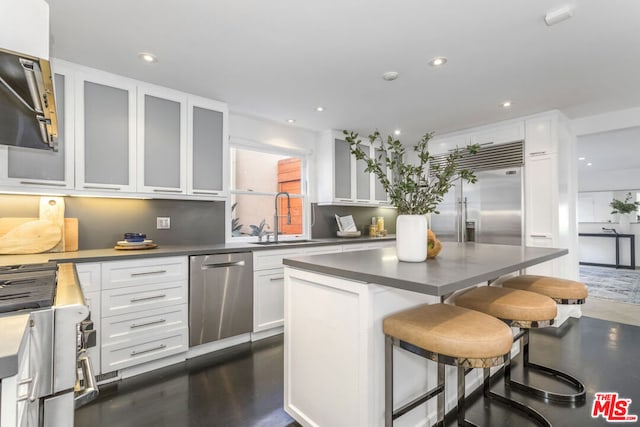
(52,184)
(223,265)
(136,353)
(148,298)
(146,273)
(140,325)
(345,200)
(273,279)
(211,193)
(96,187)
(539,235)
(537,153)
(158,190)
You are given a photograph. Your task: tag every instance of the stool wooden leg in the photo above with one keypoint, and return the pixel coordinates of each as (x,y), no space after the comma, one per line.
(388,381)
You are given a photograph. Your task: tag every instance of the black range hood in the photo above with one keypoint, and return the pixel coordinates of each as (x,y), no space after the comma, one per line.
(27,104)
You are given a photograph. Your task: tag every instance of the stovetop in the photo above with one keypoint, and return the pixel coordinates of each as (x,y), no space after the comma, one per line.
(29,286)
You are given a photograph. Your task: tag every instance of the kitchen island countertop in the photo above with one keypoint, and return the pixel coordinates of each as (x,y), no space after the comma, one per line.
(458,266)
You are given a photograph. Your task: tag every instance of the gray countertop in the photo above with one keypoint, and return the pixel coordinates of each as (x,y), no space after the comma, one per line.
(110,254)
(459,265)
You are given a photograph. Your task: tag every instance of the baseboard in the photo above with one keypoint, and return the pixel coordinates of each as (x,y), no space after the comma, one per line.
(257,336)
(217,345)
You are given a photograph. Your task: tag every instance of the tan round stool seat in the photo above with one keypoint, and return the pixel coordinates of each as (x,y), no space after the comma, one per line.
(509,304)
(558,289)
(449,330)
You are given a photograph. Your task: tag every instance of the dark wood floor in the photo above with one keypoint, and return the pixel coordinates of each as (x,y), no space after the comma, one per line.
(244,386)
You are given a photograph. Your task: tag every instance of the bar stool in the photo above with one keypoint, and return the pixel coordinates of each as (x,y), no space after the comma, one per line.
(449,335)
(562,291)
(525,310)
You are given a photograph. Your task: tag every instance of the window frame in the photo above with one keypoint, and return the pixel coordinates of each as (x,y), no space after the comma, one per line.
(303,155)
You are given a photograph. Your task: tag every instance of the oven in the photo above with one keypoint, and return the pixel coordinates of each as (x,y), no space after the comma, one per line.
(54,373)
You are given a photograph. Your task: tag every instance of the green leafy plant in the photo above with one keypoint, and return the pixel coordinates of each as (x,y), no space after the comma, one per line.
(624,207)
(236,227)
(259,230)
(415,189)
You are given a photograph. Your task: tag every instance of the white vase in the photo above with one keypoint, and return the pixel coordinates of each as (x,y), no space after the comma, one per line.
(624,222)
(411,238)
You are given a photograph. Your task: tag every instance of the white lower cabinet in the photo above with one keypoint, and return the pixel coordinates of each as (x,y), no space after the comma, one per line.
(268,297)
(139,308)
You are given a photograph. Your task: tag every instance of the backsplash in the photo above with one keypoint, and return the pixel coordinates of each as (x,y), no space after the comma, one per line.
(325,222)
(103,221)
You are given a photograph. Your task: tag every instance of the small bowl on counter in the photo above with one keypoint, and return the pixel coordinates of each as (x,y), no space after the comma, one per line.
(134,237)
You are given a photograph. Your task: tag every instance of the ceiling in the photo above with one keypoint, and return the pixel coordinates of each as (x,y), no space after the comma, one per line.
(281,59)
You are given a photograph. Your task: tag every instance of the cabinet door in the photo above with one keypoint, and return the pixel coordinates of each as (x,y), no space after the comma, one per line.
(379,193)
(268,291)
(499,135)
(41,168)
(105,132)
(541,200)
(539,137)
(343,171)
(162,141)
(207,147)
(364,180)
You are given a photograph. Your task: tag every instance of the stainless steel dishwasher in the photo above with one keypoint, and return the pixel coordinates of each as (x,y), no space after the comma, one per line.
(220,296)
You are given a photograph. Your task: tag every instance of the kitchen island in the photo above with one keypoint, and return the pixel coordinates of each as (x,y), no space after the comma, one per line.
(334,345)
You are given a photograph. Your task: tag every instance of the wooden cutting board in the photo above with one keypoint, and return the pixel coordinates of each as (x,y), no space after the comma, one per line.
(70,243)
(32,237)
(52,210)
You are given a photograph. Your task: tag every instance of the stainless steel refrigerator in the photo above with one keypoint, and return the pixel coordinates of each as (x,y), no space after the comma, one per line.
(489,211)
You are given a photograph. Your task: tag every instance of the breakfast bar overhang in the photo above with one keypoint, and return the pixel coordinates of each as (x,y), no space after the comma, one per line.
(334,344)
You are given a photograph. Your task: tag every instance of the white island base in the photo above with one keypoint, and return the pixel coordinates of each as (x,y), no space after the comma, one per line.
(334,354)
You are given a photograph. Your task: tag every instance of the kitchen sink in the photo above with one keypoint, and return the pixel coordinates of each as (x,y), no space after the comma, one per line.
(284,242)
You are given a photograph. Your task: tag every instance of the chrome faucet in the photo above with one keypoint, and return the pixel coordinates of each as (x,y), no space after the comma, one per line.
(277,216)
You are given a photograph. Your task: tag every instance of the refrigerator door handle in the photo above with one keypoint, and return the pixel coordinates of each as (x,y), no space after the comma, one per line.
(464,221)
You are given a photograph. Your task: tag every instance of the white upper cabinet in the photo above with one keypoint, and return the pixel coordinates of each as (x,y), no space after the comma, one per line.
(207,148)
(105,123)
(341,178)
(540,136)
(509,132)
(440,145)
(162,141)
(38,170)
(123,136)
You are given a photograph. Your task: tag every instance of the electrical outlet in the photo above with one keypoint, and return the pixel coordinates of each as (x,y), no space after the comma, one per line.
(163,222)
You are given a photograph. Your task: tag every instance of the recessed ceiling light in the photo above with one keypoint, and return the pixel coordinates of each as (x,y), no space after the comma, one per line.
(390,75)
(589,164)
(147,57)
(506,104)
(291,121)
(581,158)
(437,61)
(320,109)
(397,132)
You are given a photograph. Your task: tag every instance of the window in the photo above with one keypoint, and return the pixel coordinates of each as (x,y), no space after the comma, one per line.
(256,177)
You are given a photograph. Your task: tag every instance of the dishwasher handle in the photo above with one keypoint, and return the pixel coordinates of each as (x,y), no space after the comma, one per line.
(223,265)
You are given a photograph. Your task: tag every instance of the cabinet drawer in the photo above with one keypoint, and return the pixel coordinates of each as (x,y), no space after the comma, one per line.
(133,326)
(145,297)
(134,352)
(89,276)
(144,271)
(272,259)
(323,250)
